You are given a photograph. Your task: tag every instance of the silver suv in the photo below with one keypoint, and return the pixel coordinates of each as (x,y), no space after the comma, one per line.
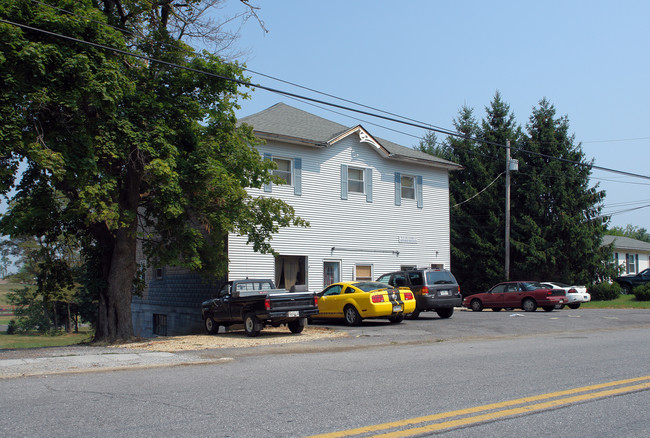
(434,289)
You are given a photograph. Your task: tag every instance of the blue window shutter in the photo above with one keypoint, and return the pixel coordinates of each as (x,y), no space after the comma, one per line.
(267,156)
(344,181)
(418,191)
(398,188)
(297,176)
(368,185)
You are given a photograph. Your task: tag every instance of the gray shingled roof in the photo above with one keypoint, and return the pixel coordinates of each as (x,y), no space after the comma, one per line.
(621,242)
(282,120)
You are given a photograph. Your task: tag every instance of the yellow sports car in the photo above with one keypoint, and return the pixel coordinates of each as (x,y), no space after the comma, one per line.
(357,300)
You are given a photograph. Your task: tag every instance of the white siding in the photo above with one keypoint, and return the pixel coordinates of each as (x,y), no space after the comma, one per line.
(380,233)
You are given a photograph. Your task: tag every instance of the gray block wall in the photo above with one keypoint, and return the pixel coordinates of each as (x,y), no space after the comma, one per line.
(173,301)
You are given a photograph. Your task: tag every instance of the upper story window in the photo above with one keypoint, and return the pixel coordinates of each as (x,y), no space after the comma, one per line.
(408,187)
(283,170)
(355,179)
(289,170)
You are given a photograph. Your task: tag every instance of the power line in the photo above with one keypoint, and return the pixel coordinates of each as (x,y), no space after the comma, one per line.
(297,96)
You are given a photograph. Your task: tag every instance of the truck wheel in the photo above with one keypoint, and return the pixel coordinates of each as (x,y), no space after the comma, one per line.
(396,319)
(574,305)
(211,326)
(297,326)
(352,316)
(445,313)
(529,305)
(476,305)
(251,325)
(626,289)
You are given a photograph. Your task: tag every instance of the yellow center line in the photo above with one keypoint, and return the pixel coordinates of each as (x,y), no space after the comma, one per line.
(476,409)
(510,412)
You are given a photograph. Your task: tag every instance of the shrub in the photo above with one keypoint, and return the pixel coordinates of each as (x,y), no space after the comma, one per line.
(12,327)
(642,293)
(604,291)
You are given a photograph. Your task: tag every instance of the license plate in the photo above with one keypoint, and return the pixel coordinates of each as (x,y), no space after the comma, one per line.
(397,308)
(444,292)
(293,313)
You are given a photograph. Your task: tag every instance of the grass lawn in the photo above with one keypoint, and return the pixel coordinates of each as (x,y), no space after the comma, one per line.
(622,302)
(36,340)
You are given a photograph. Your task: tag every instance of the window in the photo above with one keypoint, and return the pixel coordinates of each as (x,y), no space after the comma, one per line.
(630,264)
(408,187)
(355,180)
(416,278)
(159,273)
(289,170)
(283,170)
(331,273)
(333,290)
(363,272)
(159,324)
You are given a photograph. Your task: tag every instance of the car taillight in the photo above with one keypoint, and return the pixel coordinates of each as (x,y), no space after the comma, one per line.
(425,290)
(316,300)
(458,290)
(267,304)
(377,298)
(408,296)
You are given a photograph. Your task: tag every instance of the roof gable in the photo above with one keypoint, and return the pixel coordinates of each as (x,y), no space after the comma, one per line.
(292,125)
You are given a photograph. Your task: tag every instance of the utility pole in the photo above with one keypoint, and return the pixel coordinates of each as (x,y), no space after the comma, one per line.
(507,243)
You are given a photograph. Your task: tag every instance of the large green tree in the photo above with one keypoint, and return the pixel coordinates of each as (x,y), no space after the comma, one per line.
(477,194)
(117,148)
(556,230)
(556,226)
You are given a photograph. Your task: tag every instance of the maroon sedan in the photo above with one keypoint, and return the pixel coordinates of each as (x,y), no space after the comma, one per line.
(526,295)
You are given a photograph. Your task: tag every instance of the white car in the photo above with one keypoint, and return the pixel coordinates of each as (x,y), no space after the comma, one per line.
(575,294)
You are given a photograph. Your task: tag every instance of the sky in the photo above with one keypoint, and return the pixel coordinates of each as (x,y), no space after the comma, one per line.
(425,59)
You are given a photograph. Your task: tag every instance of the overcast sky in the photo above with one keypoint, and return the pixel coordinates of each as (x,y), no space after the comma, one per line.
(425,59)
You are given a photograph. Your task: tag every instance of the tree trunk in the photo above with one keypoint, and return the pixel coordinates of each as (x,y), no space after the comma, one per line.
(114,321)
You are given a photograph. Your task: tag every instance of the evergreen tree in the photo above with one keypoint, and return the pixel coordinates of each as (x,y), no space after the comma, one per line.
(478,196)
(556,230)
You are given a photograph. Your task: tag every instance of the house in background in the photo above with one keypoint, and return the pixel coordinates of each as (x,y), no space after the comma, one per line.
(373,207)
(633,255)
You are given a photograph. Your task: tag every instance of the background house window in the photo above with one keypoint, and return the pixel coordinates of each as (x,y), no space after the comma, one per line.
(355,179)
(363,272)
(408,187)
(630,264)
(283,170)
(159,273)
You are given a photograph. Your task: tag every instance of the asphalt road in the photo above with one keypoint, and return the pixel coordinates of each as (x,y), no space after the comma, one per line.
(565,373)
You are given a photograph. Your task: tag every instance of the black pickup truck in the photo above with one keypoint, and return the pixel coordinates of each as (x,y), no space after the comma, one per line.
(629,282)
(257,303)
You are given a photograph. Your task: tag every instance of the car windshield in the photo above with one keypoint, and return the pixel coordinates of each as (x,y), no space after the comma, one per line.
(440,277)
(368,286)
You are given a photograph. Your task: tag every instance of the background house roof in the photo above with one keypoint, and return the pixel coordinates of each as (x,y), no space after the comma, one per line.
(292,124)
(626,243)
